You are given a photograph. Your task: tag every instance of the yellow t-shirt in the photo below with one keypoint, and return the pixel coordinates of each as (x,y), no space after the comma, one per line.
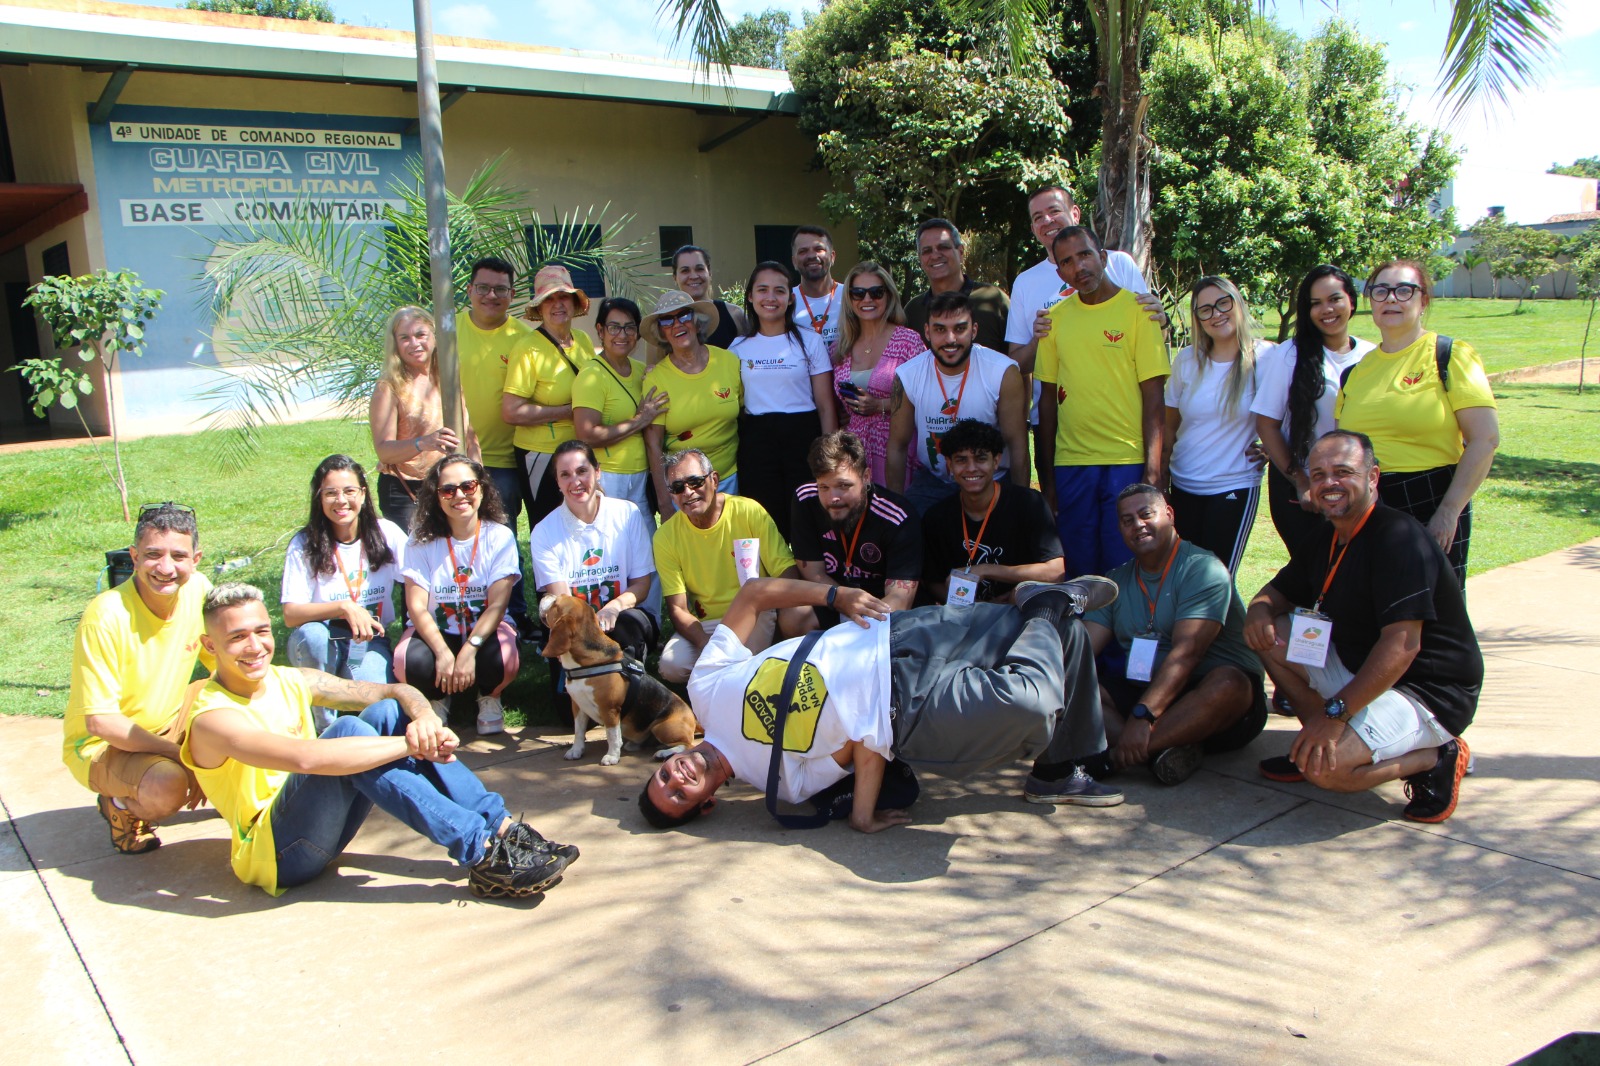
(703,408)
(483,356)
(243,794)
(541,372)
(616,397)
(127,661)
(1096,355)
(699,562)
(1399,402)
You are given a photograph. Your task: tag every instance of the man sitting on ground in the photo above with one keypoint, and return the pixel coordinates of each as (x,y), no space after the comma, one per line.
(989,536)
(1192,686)
(134,652)
(1389,691)
(293,800)
(697,560)
(950,691)
(848,531)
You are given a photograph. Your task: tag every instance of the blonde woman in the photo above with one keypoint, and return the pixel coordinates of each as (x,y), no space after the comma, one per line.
(406,414)
(873,341)
(1216,481)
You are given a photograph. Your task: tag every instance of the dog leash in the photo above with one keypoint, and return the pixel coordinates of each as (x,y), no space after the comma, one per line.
(791,677)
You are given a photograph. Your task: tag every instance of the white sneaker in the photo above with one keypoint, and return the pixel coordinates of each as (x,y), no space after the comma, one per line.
(491,717)
(441,708)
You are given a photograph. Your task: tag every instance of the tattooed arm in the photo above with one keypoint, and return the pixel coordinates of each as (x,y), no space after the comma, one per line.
(426,733)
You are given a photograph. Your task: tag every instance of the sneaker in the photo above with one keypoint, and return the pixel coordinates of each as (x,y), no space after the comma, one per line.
(442,709)
(491,717)
(534,840)
(1087,593)
(1174,766)
(1433,793)
(1077,788)
(512,868)
(1281,705)
(129,835)
(1281,768)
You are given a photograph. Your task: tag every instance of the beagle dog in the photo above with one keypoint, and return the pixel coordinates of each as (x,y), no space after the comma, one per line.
(611,688)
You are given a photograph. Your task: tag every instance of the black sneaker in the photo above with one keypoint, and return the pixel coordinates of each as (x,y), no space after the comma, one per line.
(1281,768)
(1087,593)
(1433,793)
(512,868)
(1281,704)
(534,840)
(1174,766)
(1077,788)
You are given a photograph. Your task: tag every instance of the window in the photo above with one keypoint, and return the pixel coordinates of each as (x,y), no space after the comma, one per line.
(775,243)
(55,261)
(574,247)
(673,238)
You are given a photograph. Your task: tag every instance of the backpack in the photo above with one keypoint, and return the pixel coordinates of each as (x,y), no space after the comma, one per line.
(1441,360)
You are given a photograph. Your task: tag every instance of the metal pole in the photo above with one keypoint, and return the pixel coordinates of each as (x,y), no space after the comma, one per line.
(431,130)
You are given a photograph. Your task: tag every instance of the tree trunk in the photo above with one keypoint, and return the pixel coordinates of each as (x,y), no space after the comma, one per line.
(1583,352)
(109,362)
(1122,213)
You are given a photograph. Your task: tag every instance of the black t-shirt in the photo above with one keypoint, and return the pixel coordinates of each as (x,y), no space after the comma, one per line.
(1394,572)
(990,306)
(1020,531)
(888,547)
(727,330)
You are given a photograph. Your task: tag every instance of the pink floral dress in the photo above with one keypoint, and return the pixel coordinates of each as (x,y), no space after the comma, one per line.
(874,429)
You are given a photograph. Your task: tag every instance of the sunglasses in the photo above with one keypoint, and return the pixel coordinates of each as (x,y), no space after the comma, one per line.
(693,481)
(464,488)
(877,292)
(1402,292)
(145,509)
(681,316)
(1205,312)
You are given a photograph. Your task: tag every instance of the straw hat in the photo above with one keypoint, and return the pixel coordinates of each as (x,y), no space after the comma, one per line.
(672,302)
(551,281)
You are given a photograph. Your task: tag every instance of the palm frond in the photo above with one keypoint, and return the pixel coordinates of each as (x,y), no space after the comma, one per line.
(702,26)
(1494,48)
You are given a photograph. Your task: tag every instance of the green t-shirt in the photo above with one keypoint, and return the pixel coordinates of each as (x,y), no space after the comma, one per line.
(1198,586)
(483,355)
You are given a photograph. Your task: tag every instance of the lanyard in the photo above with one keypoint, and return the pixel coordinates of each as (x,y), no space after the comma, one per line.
(1333,564)
(850,553)
(1149,600)
(972,552)
(938,375)
(637,400)
(463,612)
(356,589)
(817,322)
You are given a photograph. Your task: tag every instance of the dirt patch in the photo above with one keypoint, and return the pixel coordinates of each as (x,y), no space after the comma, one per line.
(1565,373)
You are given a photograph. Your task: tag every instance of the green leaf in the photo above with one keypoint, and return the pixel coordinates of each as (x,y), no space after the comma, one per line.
(69,400)
(44,398)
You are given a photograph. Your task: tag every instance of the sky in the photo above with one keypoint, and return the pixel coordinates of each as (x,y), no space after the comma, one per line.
(1557,121)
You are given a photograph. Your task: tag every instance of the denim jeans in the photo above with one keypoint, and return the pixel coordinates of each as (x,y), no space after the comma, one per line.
(314,816)
(927,488)
(315,645)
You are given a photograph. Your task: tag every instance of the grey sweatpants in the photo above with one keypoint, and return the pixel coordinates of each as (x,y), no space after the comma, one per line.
(973,689)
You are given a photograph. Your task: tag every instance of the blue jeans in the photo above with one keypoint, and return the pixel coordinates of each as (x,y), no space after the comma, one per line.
(314,645)
(1086,516)
(314,816)
(508,482)
(927,488)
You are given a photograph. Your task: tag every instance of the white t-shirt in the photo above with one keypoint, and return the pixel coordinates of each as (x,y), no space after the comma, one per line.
(1040,288)
(842,695)
(1208,456)
(1275,370)
(596,561)
(820,316)
(373,589)
(428,564)
(936,410)
(776,372)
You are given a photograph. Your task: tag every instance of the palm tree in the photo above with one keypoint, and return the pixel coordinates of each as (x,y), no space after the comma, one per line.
(1494,48)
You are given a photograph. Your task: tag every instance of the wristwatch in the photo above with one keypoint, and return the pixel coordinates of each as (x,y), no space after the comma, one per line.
(475,640)
(1141,711)
(1334,708)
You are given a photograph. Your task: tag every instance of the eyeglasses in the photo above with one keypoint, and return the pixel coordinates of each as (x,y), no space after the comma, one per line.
(1205,312)
(145,509)
(1402,292)
(332,495)
(502,291)
(621,329)
(877,292)
(464,488)
(693,481)
(686,315)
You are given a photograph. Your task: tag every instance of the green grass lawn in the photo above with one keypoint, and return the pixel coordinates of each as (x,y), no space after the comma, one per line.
(1547,331)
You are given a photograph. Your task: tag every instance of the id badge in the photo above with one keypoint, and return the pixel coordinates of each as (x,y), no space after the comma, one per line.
(1310,635)
(1142,658)
(963,591)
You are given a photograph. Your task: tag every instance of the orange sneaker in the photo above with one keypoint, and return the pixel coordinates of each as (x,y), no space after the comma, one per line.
(129,835)
(1433,793)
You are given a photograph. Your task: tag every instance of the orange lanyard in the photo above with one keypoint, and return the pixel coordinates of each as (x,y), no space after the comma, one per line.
(817,322)
(1333,564)
(972,551)
(850,553)
(938,375)
(463,613)
(1149,600)
(361,564)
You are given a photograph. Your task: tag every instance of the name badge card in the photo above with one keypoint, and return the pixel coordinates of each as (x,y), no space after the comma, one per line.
(1310,636)
(1142,658)
(963,591)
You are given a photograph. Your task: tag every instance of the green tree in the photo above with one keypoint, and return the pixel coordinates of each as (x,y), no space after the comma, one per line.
(304,10)
(1586,268)
(1587,167)
(100,315)
(1471,259)
(1532,256)
(757,41)
(1270,147)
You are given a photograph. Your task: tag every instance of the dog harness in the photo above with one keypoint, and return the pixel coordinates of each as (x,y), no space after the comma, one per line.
(628,666)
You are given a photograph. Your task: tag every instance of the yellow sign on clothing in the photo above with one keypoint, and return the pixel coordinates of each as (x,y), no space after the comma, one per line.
(543,373)
(127,661)
(616,397)
(761,700)
(699,562)
(703,409)
(1399,401)
(484,356)
(1095,357)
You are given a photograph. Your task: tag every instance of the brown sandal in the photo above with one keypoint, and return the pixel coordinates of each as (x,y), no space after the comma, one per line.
(129,835)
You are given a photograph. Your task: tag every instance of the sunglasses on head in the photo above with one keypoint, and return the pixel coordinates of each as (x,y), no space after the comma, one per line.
(464,488)
(145,509)
(877,292)
(693,481)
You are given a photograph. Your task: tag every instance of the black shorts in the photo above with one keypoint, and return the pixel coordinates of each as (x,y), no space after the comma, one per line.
(1125,693)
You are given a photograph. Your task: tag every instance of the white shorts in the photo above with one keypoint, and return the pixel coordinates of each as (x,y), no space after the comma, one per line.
(630,487)
(678,656)
(1390,725)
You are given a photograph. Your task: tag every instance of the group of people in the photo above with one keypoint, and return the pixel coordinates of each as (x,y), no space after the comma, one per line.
(824,501)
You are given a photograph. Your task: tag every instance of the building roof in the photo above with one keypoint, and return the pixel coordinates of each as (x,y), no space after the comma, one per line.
(99,34)
(1576,216)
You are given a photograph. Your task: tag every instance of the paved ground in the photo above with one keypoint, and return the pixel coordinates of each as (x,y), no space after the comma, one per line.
(1228,920)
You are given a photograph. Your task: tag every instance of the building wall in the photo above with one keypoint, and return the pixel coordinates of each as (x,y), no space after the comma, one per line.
(1527,197)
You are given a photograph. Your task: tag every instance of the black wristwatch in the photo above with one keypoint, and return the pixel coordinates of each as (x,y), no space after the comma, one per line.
(1141,711)
(1334,708)
(833,594)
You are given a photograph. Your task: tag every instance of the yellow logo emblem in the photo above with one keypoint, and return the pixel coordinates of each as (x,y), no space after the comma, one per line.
(761,700)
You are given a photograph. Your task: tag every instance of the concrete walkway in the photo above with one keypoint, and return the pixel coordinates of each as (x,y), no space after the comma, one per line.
(1229,920)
